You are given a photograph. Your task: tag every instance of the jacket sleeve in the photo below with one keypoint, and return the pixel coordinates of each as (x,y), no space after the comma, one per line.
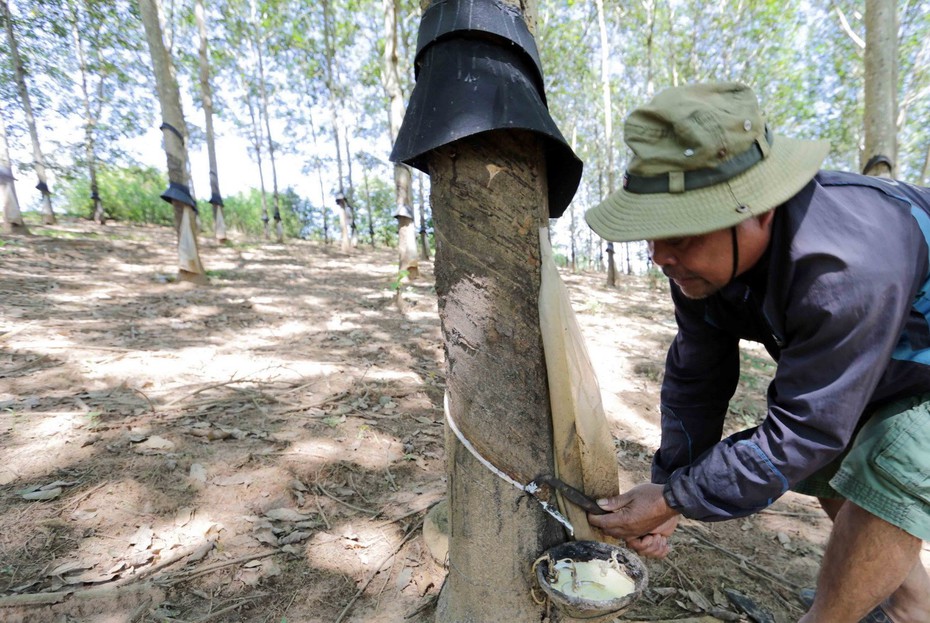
(701,372)
(844,316)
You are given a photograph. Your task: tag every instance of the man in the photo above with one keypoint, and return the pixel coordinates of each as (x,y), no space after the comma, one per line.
(829,271)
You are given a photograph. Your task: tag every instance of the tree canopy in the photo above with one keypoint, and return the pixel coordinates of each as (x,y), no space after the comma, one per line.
(321,70)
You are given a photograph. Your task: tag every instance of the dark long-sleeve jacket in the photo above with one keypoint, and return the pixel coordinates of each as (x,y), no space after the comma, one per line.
(840,300)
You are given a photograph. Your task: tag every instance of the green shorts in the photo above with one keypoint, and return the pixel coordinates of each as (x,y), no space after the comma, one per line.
(886,471)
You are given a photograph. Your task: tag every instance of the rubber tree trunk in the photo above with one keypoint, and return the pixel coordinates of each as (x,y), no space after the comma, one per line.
(174,129)
(331,80)
(263,90)
(487,278)
(97,212)
(424,243)
(408,259)
(12,217)
(256,138)
(206,92)
(881,48)
(38,159)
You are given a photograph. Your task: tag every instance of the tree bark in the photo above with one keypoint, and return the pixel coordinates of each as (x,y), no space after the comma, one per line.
(257,146)
(206,93)
(330,79)
(175,132)
(881,36)
(263,90)
(424,243)
(38,159)
(12,217)
(608,127)
(408,261)
(487,279)
(90,122)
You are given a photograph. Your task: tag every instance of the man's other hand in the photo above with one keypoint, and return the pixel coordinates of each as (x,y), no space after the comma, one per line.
(641,518)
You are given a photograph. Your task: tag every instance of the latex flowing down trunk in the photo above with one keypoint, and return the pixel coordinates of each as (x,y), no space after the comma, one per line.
(173,126)
(206,92)
(489,200)
(38,159)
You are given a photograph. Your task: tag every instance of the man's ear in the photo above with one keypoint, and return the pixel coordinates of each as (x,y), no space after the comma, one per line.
(765,219)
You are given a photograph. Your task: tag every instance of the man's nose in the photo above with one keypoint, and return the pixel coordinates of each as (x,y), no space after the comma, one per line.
(661,253)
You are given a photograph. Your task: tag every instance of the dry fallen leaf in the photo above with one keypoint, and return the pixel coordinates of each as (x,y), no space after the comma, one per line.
(285,514)
(48,494)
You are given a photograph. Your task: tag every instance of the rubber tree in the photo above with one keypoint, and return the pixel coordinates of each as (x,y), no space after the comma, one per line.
(408,261)
(331,80)
(12,217)
(608,126)
(879,155)
(19,72)
(90,111)
(175,134)
(493,187)
(206,94)
(258,43)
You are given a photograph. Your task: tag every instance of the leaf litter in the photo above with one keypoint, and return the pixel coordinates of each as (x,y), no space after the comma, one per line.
(264,448)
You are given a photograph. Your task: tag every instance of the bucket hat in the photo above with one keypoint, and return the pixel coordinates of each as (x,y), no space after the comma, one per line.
(703,160)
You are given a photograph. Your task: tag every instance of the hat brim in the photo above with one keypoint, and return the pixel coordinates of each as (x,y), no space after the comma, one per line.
(791,164)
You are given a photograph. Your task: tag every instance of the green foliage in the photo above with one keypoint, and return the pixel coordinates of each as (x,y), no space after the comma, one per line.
(128,194)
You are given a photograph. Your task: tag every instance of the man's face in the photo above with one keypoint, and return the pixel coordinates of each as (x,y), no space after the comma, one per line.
(701,265)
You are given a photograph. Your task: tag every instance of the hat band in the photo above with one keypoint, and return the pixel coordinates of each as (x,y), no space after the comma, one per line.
(699,178)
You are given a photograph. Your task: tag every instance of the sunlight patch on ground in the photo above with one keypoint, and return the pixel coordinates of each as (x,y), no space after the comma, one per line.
(375,452)
(354,547)
(40,441)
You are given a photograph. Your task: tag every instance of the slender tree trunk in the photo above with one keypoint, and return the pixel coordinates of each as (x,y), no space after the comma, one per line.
(330,79)
(175,132)
(925,169)
(38,159)
(350,193)
(608,126)
(881,49)
(265,115)
(406,230)
(206,93)
(257,146)
(371,216)
(12,217)
(424,242)
(96,212)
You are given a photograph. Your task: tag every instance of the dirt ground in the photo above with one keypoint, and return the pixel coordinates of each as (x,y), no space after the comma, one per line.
(265,448)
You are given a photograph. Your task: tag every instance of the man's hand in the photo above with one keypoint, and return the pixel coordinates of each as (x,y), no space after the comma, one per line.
(641,518)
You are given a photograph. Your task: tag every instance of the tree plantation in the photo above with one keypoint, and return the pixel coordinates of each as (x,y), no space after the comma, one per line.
(279,283)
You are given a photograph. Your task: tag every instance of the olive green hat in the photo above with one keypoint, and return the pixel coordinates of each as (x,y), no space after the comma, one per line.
(703,160)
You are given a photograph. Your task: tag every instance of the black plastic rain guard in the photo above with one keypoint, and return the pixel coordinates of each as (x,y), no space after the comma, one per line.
(216,200)
(179,192)
(479,80)
(474,18)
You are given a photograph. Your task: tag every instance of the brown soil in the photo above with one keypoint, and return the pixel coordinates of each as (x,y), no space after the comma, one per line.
(265,448)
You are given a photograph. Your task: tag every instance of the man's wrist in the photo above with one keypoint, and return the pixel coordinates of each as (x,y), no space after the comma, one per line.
(669,496)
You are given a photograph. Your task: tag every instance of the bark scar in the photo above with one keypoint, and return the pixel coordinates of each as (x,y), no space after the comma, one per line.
(493,170)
